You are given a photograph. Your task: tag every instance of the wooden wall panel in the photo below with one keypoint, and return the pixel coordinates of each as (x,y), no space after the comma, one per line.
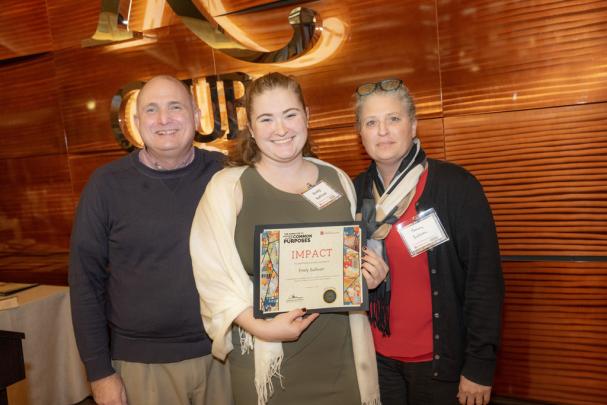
(29,28)
(408,50)
(513,54)
(142,19)
(514,91)
(341,146)
(216,8)
(268,29)
(553,345)
(36,208)
(30,117)
(29,266)
(431,134)
(72,21)
(545,174)
(92,76)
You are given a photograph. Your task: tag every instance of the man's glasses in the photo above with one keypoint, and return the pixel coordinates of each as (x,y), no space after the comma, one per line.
(385,85)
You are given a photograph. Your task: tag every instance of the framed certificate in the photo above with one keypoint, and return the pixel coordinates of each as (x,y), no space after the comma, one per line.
(312,266)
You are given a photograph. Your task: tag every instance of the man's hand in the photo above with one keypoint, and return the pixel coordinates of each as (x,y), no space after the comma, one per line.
(109,391)
(471,393)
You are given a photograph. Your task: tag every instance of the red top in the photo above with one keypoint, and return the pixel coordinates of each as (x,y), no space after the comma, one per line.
(410,303)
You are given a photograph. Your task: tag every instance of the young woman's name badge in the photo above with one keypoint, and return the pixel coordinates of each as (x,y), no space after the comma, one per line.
(321,195)
(423,232)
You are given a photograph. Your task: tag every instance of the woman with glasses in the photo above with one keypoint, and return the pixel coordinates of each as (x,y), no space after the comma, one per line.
(293,358)
(436,318)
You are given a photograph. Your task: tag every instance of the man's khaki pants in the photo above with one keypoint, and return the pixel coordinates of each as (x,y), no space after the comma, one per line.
(200,381)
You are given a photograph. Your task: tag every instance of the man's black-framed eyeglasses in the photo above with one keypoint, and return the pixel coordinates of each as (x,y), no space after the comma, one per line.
(385,85)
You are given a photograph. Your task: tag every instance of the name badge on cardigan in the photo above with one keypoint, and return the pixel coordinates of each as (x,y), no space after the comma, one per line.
(423,232)
(321,195)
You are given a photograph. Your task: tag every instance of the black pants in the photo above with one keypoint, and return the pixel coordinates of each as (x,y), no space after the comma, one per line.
(412,384)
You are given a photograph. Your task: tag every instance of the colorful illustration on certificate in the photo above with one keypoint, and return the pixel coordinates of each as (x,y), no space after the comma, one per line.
(268,286)
(352,287)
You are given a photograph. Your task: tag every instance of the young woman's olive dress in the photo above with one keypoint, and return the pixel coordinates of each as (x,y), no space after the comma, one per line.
(319,367)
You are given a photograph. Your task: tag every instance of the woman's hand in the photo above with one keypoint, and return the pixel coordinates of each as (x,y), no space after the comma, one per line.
(375,269)
(471,393)
(283,327)
(288,326)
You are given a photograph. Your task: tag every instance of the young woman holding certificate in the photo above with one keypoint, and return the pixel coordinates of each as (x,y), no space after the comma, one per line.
(293,358)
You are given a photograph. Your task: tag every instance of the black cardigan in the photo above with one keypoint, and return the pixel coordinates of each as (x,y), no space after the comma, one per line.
(466,279)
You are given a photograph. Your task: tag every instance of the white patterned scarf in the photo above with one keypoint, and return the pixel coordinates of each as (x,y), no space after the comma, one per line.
(379,208)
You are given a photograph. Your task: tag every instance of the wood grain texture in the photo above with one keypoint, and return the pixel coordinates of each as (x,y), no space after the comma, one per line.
(384,39)
(545,174)
(30,117)
(72,21)
(151,14)
(514,91)
(90,77)
(221,7)
(513,54)
(29,28)
(555,320)
(34,267)
(36,208)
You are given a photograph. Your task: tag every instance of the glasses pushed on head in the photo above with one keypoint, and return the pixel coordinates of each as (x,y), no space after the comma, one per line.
(388,87)
(385,85)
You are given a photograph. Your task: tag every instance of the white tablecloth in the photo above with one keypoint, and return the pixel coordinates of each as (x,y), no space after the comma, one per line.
(54,372)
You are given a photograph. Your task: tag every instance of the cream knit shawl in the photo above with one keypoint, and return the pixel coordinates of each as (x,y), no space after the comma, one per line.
(225,288)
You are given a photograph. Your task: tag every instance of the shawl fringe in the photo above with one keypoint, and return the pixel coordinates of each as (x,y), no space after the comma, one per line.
(263,383)
(246,341)
(379,311)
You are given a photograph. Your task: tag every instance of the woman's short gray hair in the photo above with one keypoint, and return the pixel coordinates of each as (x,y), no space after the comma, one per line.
(402,93)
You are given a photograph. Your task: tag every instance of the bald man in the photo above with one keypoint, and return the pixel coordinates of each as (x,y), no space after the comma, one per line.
(135,307)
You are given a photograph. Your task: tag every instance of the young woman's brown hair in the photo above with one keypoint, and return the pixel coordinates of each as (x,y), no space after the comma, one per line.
(247,152)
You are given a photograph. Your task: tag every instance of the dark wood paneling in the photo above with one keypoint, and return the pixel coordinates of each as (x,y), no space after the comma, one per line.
(431,134)
(72,21)
(383,39)
(92,76)
(266,30)
(545,174)
(553,344)
(36,207)
(221,7)
(342,146)
(513,54)
(30,117)
(24,28)
(34,267)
